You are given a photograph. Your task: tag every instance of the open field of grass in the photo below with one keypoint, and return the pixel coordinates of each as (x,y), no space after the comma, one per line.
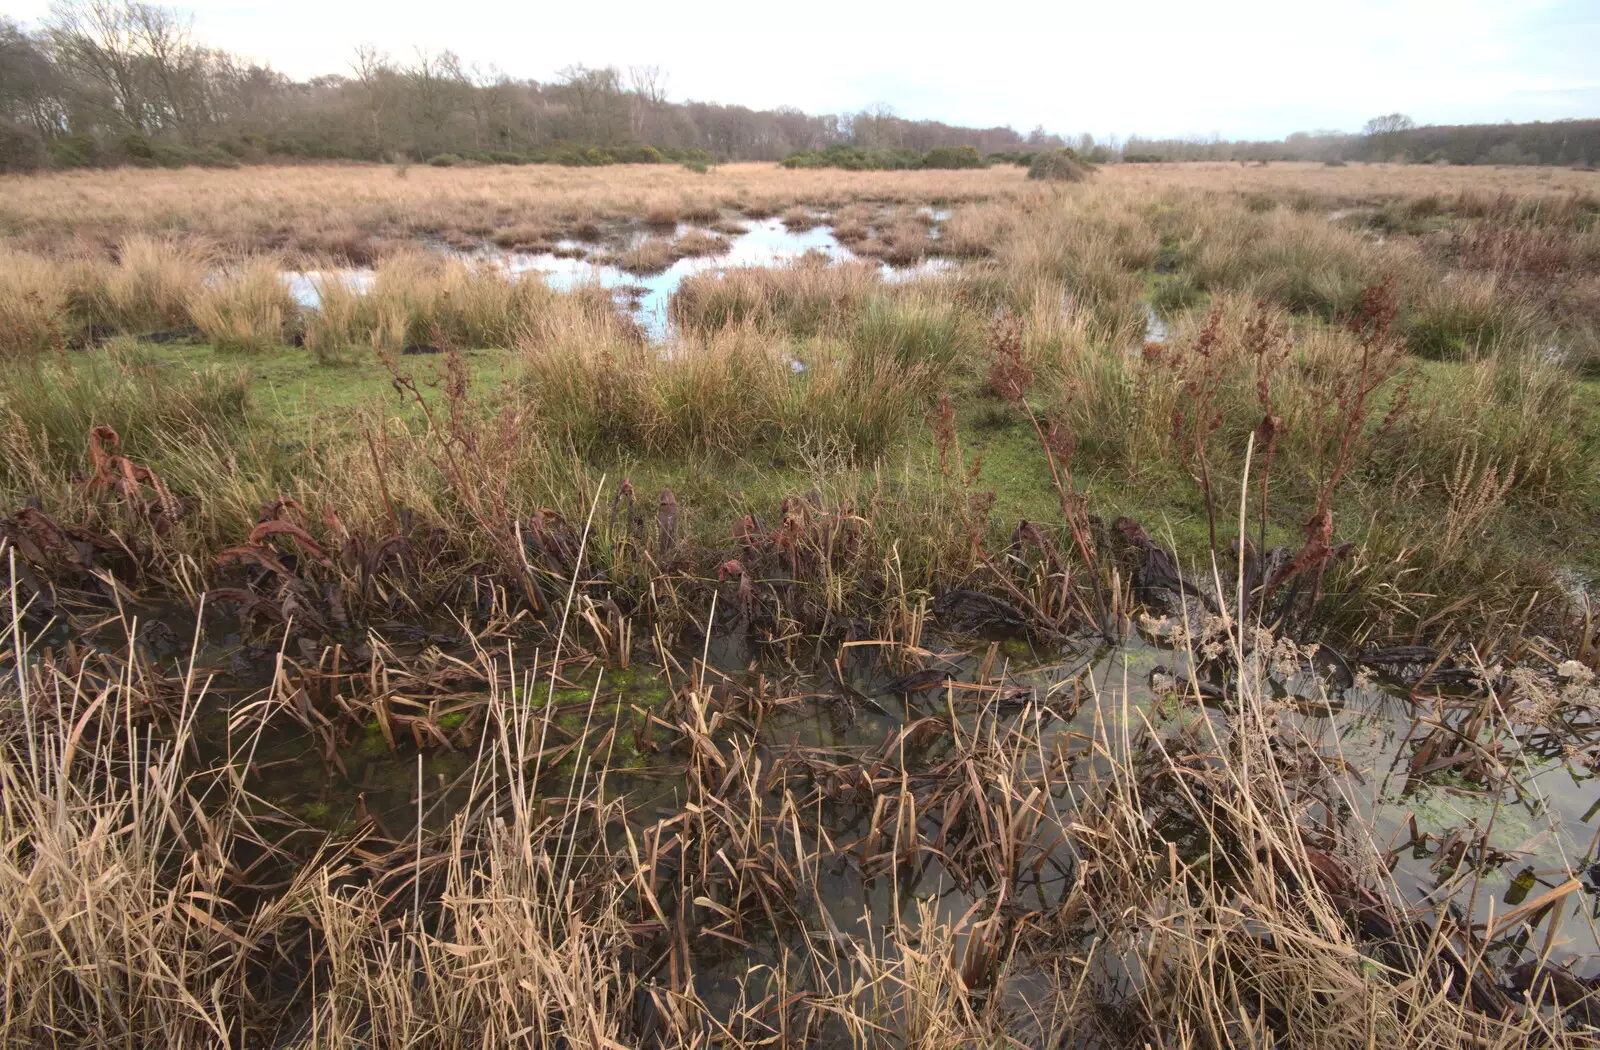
(457,661)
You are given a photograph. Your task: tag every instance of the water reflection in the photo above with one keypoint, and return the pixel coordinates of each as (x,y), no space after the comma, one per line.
(571,264)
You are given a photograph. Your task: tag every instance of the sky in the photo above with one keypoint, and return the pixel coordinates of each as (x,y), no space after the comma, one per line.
(1157,68)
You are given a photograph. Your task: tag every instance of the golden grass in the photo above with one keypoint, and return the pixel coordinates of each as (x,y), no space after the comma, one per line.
(803,298)
(1072,264)
(147,288)
(1355,182)
(545,913)
(311,208)
(248,308)
(33,304)
(737,387)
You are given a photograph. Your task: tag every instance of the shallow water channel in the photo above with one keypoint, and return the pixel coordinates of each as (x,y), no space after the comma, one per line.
(571,264)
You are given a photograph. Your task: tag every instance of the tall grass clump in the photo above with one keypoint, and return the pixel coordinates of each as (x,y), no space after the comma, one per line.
(1298,261)
(340,323)
(1464,315)
(920,330)
(1093,253)
(601,389)
(803,298)
(49,405)
(417,299)
(1520,410)
(103,941)
(974,230)
(33,304)
(247,310)
(739,388)
(147,288)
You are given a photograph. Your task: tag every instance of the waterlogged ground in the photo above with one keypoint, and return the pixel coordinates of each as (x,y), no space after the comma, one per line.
(572,264)
(1451,841)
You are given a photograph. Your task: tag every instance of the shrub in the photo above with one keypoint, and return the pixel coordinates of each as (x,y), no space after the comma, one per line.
(598,157)
(444,160)
(687,155)
(217,157)
(952,157)
(136,149)
(170,155)
(637,155)
(20,148)
(854,158)
(75,151)
(1059,165)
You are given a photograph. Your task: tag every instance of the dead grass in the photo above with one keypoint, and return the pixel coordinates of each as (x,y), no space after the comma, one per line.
(146,288)
(803,298)
(248,309)
(1156,877)
(699,242)
(649,256)
(233,210)
(33,304)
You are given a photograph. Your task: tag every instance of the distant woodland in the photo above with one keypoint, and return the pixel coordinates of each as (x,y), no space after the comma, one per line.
(105,83)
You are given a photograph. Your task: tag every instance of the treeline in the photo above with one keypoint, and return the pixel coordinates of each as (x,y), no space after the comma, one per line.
(1395,138)
(107,82)
(111,82)
(855,158)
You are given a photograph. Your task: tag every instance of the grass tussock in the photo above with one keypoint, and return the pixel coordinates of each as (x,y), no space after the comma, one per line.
(248,310)
(33,304)
(147,288)
(740,387)
(655,254)
(420,300)
(803,298)
(1466,315)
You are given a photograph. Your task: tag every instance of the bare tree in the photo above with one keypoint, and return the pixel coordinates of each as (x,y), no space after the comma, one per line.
(30,89)
(595,96)
(97,41)
(1387,134)
(647,91)
(175,66)
(375,72)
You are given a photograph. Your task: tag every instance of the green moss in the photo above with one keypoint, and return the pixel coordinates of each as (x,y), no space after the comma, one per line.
(372,742)
(314,813)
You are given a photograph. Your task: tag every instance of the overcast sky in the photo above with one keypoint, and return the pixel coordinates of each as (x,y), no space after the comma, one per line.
(1239,68)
